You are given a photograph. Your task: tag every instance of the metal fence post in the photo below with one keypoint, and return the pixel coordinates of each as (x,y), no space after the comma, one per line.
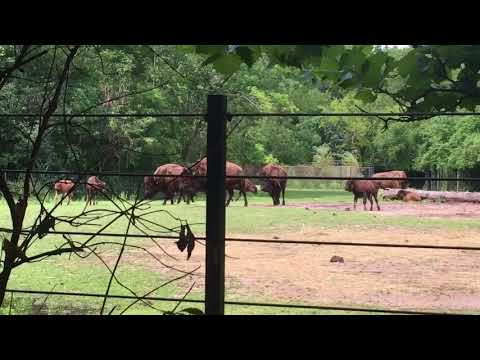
(215,232)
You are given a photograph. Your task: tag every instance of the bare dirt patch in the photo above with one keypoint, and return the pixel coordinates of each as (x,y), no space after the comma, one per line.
(388,208)
(436,280)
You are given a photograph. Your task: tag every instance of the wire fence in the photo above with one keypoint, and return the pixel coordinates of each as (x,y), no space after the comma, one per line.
(228,116)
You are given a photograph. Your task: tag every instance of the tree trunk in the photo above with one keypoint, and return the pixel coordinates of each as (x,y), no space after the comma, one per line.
(4,276)
(449,196)
(187,149)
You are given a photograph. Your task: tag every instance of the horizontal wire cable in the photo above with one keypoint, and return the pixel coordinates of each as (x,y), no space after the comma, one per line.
(268,241)
(59,172)
(236,303)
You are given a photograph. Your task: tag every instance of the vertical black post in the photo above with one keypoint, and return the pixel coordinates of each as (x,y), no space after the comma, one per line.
(215,243)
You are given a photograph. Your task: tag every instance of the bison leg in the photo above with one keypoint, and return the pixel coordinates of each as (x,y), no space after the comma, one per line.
(244,196)
(370,200)
(364,201)
(376,201)
(229,196)
(355,199)
(239,195)
(283,196)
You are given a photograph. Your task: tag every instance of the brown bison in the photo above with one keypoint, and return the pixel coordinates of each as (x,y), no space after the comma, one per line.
(365,189)
(92,187)
(248,186)
(168,184)
(232,169)
(391,184)
(274,186)
(408,196)
(64,188)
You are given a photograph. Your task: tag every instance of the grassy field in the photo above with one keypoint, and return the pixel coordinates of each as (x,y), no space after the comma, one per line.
(72,274)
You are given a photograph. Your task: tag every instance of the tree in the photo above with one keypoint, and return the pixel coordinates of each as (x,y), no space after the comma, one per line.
(438,78)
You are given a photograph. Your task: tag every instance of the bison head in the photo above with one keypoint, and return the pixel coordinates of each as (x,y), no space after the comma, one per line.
(267,187)
(251,187)
(348,185)
(401,194)
(274,188)
(149,187)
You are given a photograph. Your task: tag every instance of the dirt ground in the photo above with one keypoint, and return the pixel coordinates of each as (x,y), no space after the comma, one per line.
(392,208)
(406,279)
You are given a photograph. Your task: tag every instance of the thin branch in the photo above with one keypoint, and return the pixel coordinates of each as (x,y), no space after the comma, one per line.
(159,287)
(117,262)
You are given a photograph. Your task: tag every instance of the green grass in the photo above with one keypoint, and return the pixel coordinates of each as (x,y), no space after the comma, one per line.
(263,220)
(76,275)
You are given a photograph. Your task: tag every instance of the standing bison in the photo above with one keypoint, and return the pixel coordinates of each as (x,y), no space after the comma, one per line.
(365,189)
(92,187)
(64,188)
(168,183)
(274,186)
(391,184)
(232,169)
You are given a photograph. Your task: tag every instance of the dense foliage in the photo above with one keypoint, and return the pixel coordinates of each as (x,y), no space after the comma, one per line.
(177,79)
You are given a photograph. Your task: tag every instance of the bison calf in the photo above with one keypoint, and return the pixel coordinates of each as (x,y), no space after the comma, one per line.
(64,188)
(243,188)
(408,196)
(93,185)
(365,189)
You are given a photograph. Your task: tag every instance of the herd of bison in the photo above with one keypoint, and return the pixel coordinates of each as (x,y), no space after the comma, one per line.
(175,180)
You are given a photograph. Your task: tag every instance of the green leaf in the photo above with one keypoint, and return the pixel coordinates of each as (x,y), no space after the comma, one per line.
(366,96)
(452,55)
(193,311)
(186,49)
(416,86)
(211,49)
(408,64)
(335,51)
(389,65)
(373,74)
(247,55)
(443,101)
(347,76)
(353,60)
(311,50)
(470,103)
(366,49)
(227,64)
(328,64)
(211,59)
